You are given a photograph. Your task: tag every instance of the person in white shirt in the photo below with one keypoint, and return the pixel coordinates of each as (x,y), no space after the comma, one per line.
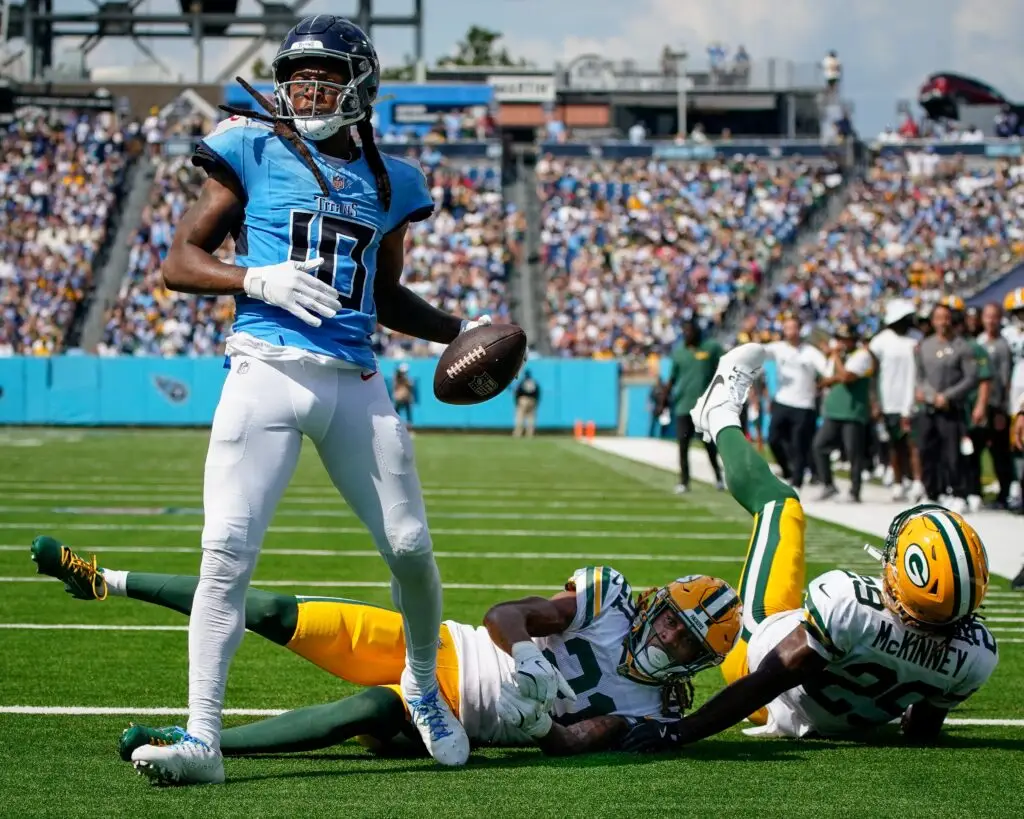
(794,414)
(832,69)
(893,349)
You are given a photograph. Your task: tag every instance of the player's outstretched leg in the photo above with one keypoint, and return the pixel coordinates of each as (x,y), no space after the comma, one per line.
(774,570)
(270,615)
(376,712)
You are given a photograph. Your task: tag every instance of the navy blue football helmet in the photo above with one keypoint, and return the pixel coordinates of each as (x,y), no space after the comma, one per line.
(331,39)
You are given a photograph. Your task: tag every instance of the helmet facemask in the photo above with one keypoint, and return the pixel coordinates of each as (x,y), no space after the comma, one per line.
(646,658)
(351,101)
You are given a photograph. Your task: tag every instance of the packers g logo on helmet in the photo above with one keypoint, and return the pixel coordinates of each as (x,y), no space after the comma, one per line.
(710,610)
(935,570)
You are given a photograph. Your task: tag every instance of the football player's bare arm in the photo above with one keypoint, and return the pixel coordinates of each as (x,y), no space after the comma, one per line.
(791,663)
(190,266)
(922,722)
(398,308)
(519,620)
(584,737)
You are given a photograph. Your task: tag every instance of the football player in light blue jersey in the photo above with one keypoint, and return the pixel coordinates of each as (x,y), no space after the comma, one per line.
(319,225)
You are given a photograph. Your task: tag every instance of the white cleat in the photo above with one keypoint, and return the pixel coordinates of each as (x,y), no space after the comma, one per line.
(681,489)
(737,370)
(917,492)
(443,735)
(188,762)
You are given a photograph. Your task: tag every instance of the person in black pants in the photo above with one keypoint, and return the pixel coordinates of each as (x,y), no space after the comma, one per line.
(794,419)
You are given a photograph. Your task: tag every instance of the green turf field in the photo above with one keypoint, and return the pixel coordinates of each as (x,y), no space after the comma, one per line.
(510,518)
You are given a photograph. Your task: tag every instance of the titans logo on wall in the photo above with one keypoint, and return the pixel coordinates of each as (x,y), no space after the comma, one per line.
(173,390)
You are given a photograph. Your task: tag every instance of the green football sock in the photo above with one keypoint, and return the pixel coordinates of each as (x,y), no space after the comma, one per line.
(747,474)
(378,712)
(273,616)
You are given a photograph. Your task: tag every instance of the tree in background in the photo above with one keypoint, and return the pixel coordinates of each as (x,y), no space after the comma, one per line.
(261,69)
(478,47)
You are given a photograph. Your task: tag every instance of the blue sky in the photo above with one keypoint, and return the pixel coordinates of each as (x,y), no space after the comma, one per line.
(887,46)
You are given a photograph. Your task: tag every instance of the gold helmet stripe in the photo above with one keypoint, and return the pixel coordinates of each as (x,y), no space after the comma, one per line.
(720,602)
(959,560)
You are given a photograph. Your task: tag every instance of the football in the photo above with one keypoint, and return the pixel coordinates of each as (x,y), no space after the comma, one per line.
(479,364)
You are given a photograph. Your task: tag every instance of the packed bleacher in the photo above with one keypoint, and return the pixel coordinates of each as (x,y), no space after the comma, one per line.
(917,226)
(60,179)
(633,248)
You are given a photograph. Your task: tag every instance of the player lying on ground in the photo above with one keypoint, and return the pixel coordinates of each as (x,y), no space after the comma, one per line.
(569,672)
(859,651)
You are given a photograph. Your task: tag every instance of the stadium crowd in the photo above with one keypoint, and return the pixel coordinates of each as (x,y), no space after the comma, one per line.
(634,248)
(915,226)
(60,179)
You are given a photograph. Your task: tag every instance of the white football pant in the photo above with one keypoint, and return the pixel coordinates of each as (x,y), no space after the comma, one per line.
(265,409)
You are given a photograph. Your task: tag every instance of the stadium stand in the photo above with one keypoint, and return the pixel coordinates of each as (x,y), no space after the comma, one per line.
(633,248)
(61,177)
(915,225)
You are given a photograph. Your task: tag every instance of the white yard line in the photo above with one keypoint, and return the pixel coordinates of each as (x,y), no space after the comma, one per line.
(38,526)
(588,558)
(115,509)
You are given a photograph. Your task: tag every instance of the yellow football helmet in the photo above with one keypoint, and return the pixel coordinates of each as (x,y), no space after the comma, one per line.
(1014,300)
(710,610)
(935,570)
(954,303)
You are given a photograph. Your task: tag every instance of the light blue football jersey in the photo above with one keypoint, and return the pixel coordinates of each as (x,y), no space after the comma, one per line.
(288,217)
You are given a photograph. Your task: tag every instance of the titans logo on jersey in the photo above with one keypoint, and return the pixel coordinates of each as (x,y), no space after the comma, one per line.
(288,217)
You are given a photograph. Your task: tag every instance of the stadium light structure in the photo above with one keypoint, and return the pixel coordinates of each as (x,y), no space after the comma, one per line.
(39,25)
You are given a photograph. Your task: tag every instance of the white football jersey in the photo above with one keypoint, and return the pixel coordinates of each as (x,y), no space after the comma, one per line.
(588,654)
(877,666)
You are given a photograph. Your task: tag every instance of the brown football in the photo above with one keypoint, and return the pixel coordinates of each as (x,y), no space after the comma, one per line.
(479,364)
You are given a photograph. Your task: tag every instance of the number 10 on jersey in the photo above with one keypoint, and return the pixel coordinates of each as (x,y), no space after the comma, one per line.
(343,245)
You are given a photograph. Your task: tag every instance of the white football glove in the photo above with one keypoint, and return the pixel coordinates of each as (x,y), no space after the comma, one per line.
(528,715)
(536,678)
(293,287)
(483,321)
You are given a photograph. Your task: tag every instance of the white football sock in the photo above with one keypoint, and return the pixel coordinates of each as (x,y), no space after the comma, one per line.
(721,418)
(215,631)
(117,582)
(416,591)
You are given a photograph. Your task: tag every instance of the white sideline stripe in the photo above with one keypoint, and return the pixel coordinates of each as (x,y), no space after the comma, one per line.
(588,556)
(99,711)
(353,530)
(335,512)
(340,584)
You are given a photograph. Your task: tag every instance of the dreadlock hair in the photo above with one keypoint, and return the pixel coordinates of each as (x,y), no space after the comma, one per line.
(373,158)
(676,697)
(283,127)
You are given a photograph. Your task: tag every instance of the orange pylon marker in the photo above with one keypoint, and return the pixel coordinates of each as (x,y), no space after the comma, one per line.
(591,430)
(577,429)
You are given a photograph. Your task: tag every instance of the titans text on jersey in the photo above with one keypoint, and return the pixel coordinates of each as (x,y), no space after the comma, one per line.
(288,217)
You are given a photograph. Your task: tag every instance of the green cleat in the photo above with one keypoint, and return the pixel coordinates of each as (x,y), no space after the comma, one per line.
(80,579)
(135,736)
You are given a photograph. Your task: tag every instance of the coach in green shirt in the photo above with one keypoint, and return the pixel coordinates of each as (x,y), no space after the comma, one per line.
(693,366)
(845,411)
